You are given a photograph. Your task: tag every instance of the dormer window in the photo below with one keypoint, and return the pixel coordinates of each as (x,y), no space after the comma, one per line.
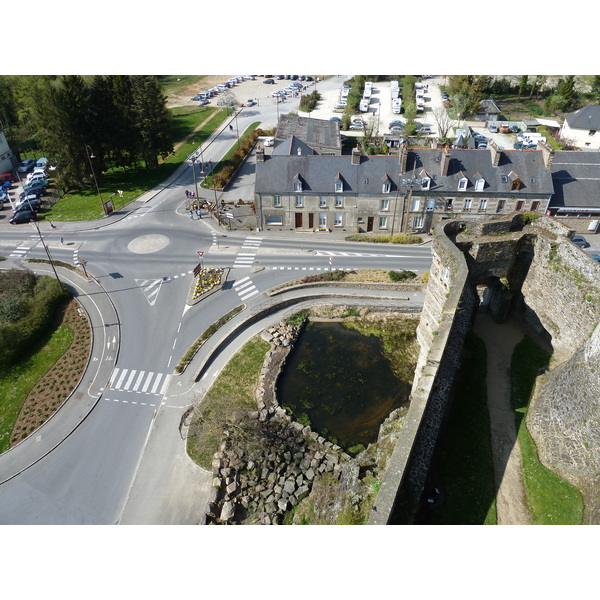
(462,184)
(297,183)
(425,183)
(386,187)
(479,182)
(339,184)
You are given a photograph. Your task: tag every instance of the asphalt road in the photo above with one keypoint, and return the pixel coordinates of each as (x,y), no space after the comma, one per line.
(125,461)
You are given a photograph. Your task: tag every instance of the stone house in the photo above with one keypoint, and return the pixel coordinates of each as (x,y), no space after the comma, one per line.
(408,192)
(582,127)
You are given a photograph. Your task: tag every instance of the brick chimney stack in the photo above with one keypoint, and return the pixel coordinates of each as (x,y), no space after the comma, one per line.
(495,152)
(547,154)
(260,154)
(356,156)
(403,156)
(445,163)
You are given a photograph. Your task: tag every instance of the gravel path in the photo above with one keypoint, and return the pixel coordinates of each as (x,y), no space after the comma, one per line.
(500,340)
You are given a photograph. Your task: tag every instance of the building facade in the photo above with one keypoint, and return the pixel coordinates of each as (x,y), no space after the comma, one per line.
(407,193)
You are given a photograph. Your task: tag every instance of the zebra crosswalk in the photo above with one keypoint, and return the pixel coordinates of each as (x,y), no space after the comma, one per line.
(22,249)
(141,382)
(245,288)
(247,252)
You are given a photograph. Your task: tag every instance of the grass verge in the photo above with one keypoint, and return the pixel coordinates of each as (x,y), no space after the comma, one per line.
(232,392)
(551,499)
(464,470)
(16,381)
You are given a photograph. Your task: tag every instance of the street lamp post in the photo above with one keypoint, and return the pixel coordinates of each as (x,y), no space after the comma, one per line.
(90,155)
(48,254)
(193,158)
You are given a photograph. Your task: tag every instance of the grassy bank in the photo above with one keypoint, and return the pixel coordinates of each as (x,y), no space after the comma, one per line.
(463,466)
(16,381)
(551,500)
(232,392)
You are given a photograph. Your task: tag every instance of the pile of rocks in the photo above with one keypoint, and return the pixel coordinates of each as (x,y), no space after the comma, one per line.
(258,481)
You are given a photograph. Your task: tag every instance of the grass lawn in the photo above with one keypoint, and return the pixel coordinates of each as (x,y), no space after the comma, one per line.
(551,499)
(17,381)
(464,471)
(176,84)
(233,390)
(85,205)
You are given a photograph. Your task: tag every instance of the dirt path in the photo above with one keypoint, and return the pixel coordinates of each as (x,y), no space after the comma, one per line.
(500,341)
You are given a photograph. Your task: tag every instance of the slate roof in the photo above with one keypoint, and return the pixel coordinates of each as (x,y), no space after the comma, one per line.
(317,133)
(585,118)
(276,174)
(291,146)
(576,177)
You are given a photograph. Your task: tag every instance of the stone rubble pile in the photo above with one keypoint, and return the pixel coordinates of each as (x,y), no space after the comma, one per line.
(273,469)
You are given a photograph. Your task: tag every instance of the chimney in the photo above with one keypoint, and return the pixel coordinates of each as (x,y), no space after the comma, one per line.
(495,152)
(356,156)
(403,157)
(547,154)
(445,162)
(434,143)
(260,154)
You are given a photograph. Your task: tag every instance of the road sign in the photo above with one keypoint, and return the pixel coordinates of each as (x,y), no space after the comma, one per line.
(201,254)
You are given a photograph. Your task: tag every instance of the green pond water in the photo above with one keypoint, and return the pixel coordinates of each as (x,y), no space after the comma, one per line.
(339,382)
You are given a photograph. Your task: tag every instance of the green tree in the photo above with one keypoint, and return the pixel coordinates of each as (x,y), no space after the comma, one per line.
(596,88)
(152,120)
(523,84)
(124,138)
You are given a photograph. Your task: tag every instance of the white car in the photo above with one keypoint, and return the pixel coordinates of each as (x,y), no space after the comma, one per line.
(269,141)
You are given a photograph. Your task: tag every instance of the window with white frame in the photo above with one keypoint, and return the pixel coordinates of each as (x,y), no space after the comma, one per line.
(277,201)
(322,201)
(467,204)
(337,220)
(383,222)
(483,204)
(416,203)
(385,204)
(462,184)
(322,219)
(339,186)
(479,185)
(298,200)
(417,222)
(339,201)
(426,183)
(386,187)
(274,219)
(297,186)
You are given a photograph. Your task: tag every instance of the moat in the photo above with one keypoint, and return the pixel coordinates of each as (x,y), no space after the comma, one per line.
(340,383)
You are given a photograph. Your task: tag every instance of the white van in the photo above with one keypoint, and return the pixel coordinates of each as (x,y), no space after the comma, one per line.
(397,106)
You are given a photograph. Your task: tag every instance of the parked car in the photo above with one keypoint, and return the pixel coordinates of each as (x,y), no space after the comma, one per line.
(196,97)
(37,184)
(269,80)
(269,141)
(396,123)
(33,205)
(26,197)
(22,217)
(336,119)
(35,176)
(280,77)
(481,145)
(596,257)
(493,128)
(7,177)
(5,186)
(396,129)
(41,162)
(250,102)
(580,241)
(357,125)
(503,128)
(514,129)
(26,165)
(36,192)
(308,78)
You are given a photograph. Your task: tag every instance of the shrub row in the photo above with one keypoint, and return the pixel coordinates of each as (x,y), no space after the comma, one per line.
(397,238)
(18,336)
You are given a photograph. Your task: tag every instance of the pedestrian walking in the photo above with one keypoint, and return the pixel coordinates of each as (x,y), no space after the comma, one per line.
(199,213)
(231,128)
(187,194)
(191,214)
(62,240)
